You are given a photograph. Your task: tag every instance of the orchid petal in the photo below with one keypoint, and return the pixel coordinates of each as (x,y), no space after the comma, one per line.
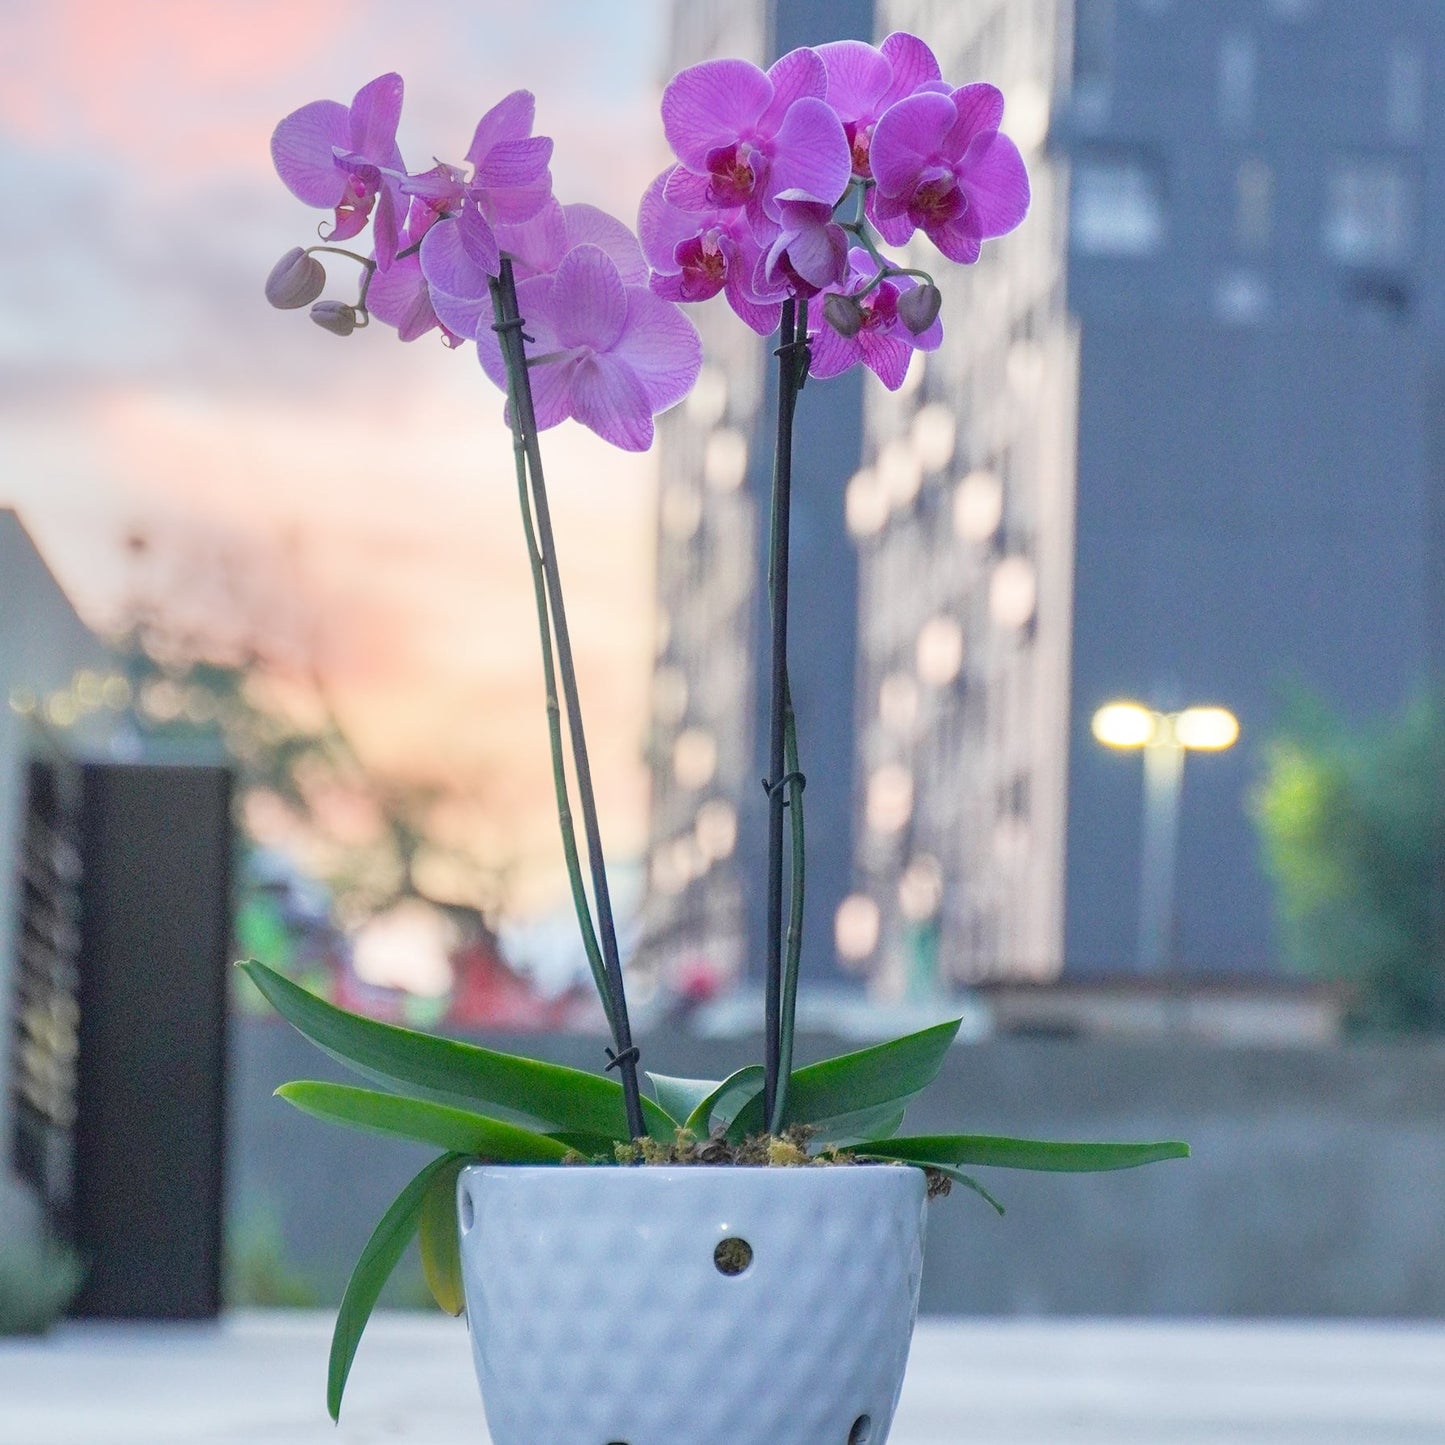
(588,303)
(831,354)
(712,104)
(587,225)
(400,299)
(509,119)
(689,192)
(661,225)
(386,235)
(479,242)
(661,346)
(462,315)
(514,162)
(995,180)
(375,115)
(886,356)
(858,77)
(890,217)
(958,239)
(812,153)
(980,109)
(797,74)
(908,137)
(303,151)
(609,398)
(552,401)
(537,244)
(914,64)
(763,316)
(448,265)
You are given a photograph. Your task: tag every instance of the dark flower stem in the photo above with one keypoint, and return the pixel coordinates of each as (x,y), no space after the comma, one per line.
(785,782)
(524,429)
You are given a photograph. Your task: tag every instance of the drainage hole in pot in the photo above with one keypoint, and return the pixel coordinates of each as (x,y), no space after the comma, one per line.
(468,1212)
(862,1431)
(732,1256)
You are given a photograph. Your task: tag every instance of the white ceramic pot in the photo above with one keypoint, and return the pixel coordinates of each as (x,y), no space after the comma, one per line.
(600,1312)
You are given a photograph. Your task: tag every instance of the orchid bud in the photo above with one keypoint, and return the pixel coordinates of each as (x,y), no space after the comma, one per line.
(843,314)
(334,316)
(295,280)
(918,307)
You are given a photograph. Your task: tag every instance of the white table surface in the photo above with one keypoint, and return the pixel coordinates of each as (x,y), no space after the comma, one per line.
(258,1379)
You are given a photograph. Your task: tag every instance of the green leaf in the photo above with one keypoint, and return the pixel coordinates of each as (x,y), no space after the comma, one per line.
(419,1119)
(890,1073)
(845,1130)
(968,1182)
(385,1247)
(441,1253)
(987,1149)
(681,1096)
(549,1095)
(721,1107)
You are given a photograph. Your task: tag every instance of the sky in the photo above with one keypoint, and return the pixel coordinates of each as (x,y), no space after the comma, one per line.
(356,494)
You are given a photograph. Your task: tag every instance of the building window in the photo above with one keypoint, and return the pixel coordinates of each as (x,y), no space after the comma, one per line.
(1238,72)
(1253,204)
(1370,211)
(1118,207)
(1405,93)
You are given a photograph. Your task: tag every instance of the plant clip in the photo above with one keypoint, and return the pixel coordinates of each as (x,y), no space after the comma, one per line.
(627,1056)
(773,789)
(514,323)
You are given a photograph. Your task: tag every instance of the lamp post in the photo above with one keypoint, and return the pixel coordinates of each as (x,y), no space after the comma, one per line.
(1164,737)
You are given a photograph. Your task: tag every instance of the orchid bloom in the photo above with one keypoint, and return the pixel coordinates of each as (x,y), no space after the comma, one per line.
(810,251)
(864,82)
(509,184)
(754,134)
(882,342)
(399,295)
(462,296)
(698,250)
(942,166)
(608,354)
(342,158)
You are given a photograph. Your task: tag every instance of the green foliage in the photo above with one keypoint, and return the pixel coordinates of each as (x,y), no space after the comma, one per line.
(1353,827)
(439,1237)
(423,1122)
(680,1097)
(37,1283)
(720,1110)
(944,1150)
(548,1095)
(383,1250)
(838,1090)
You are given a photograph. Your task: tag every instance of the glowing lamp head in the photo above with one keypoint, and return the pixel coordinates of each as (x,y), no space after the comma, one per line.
(1209,728)
(1125,725)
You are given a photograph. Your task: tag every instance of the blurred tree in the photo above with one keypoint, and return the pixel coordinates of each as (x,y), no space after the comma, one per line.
(1353,828)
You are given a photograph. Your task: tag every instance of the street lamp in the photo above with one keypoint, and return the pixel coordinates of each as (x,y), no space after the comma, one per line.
(1165,737)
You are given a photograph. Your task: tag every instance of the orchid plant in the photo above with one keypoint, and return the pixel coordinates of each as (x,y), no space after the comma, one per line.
(787,185)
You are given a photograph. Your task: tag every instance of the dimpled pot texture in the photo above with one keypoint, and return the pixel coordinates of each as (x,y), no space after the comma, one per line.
(616,1306)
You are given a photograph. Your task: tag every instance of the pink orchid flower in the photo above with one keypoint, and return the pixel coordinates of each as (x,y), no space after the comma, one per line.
(864,82)
(509,184)
(341,158)
(753,134)
(810,251)
(698,250)
(537,248)
(399,295)
(882,342)
(608,354)
(943,167)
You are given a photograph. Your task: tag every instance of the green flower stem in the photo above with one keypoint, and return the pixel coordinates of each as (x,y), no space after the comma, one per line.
(524,423)
(793,954)
(782,789)
(554,721)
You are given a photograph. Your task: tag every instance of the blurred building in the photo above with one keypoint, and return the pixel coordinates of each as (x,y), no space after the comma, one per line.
(1181,445)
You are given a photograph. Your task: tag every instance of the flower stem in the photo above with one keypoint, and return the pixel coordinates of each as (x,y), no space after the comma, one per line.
(524,423)
(554,721)
(784,781)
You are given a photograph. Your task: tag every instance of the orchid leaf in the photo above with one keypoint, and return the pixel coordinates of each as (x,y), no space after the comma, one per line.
(681,1096)
(985,1149)
(548,1095)
(968,1182)
(845,1130)
(721,1107)
(423,1121)
(441,1254)
(890,1073)
(385,1247)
